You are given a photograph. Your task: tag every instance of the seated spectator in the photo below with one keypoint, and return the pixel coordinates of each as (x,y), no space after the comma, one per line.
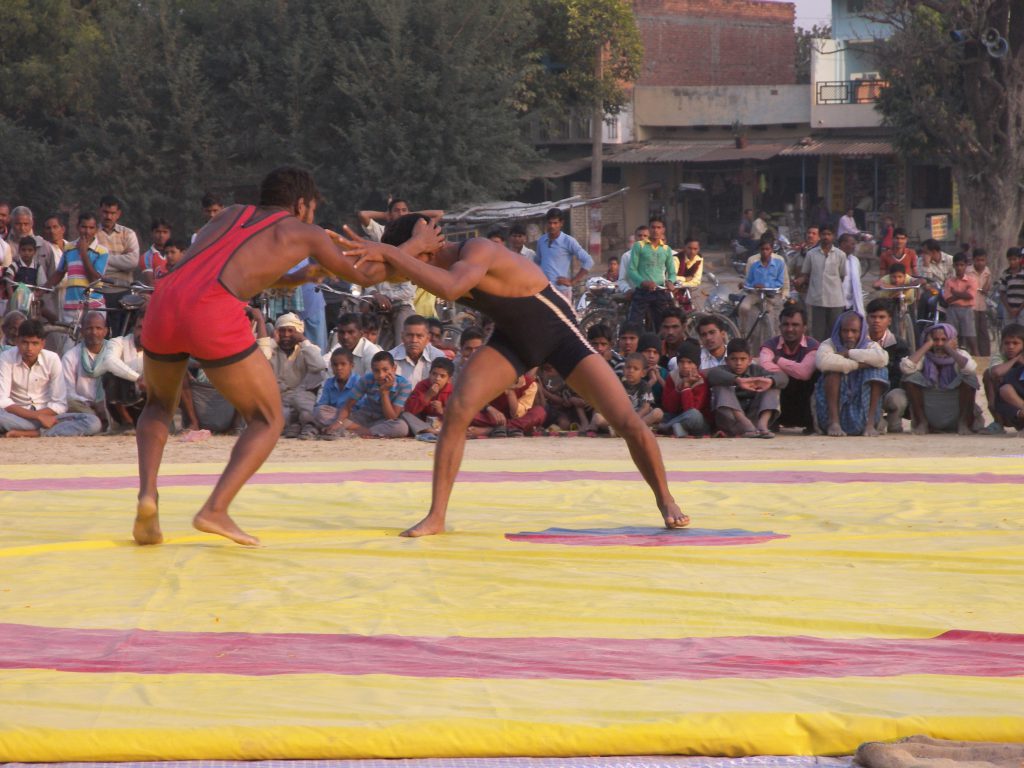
(9,329)
(638,388)
(415,354)
(894,402)
(1011,352)
(300,370)
(437,338)
(86,364)
(514,413)
(600,338)
(686,398)
(940,382)
(211,409)
(470,341)
(854,377)
(1010,404)
(745,396)
(565,409)
(370,324)
(792,352)
(629,338)
(337,390)
(378,399)
(349,332)
(33,397)
(672,333)
(898,254)
(424,409)
(713,339)
(122,380)
(650,347)
(960,292)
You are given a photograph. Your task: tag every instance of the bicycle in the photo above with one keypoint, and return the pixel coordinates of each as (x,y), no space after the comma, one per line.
(719,304)
(765,316)
(602,304)
(353,301)
(902,316)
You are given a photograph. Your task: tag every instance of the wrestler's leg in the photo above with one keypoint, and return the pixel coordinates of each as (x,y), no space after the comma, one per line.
(487,374)
(249,385)
(163,389)
(595,381)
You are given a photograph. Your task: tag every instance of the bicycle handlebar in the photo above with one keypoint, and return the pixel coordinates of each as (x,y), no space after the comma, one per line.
(33,287)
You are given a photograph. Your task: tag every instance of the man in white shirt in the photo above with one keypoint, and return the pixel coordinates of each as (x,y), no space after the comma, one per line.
(853,290)
(32,391)
(415,354)
(350,336)
(517,243)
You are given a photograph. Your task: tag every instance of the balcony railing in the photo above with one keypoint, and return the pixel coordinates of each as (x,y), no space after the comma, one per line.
(849,91)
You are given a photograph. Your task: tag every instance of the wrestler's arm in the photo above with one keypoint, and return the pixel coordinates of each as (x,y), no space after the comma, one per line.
(337,261)
(449,284)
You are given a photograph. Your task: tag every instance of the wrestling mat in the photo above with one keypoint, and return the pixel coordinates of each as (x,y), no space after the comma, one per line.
(810,608)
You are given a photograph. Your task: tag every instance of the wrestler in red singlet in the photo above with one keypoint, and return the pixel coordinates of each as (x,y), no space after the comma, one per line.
(192,313)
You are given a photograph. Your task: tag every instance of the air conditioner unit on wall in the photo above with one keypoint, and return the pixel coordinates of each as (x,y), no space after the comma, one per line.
(866,76)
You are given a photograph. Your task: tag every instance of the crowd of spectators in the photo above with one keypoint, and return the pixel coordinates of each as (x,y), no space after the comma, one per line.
(834,366)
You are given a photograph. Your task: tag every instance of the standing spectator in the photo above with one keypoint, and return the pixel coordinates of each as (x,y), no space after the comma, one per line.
(556,251)
(898,254)
(765,270)
(713,340)
(792,352)
(350,336)
(848,395)
(847,224)
(517,243)
(759,228)
(211,204)
(940,382)
(886,236)
(153,260)
(744,232)
(690,270)
(23,226)
(823,273)
(611,274)
(820,215)
(979,269)
(299,369)
(1011,287)
(415,354)
(81,265)
(377,401)
(651,274)
(314,311)
(122,245)
(894,402)
(337,391)
(1011,353)
(745,396)
(32,392)
(811,239)
(54,229)
(937,266)
(686,399)
(641,233)
(853,290)
(374,222)
(425,407)
(5,221)
(961,292)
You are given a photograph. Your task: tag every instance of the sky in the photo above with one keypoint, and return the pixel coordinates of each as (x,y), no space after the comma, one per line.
(811,12)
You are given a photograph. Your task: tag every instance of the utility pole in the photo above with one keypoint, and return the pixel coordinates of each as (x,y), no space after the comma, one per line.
(596,161)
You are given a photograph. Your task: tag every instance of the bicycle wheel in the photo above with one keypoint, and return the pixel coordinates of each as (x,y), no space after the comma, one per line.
(905,332)
(731,328)
(598,317)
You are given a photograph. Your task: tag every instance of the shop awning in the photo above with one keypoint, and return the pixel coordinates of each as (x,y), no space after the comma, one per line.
(839,147)
(721,151)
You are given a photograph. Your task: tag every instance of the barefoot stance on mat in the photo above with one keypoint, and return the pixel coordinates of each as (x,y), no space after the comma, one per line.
(534,324)
(199,310)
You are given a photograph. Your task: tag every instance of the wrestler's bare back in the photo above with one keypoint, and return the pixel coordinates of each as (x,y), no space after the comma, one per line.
(501,272)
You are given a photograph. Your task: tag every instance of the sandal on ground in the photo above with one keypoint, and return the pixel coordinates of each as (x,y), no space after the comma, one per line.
(755,434)
(765,434)
(499,432)
(427,437)
(515,432)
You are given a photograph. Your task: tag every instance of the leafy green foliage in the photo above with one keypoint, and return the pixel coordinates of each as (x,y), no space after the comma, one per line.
(804,45)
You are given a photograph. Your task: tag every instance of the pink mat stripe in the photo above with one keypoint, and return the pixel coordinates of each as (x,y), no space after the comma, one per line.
(963,653)
(770,477)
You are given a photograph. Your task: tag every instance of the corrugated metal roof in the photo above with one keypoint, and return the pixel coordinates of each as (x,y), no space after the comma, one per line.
(841,147)
(724,150)
(758,151)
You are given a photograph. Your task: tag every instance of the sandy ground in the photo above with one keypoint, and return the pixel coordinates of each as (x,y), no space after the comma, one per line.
(121,450)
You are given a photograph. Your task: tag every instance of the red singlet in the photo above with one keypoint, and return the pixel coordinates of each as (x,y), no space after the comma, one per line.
(192,314)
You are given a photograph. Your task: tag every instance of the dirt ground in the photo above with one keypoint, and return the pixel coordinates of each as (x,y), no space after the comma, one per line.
(121,449)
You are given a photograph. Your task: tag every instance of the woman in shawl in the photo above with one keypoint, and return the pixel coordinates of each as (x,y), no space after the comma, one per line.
(854,376)
(941,383)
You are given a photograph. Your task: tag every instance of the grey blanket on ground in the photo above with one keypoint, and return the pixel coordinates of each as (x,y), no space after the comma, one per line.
(925,752)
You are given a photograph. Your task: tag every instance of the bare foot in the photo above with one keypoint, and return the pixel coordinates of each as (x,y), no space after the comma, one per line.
(428,526)
(674,517)
(221,524)
(23,433)
(963,428)
(871,431)
(834,430)
(147,522)
(921,429)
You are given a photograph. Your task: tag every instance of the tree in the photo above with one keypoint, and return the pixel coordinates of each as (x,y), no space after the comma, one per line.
(952,102)
(597,51)
(804,45)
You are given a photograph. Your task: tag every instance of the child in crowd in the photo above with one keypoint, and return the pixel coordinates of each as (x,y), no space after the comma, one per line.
(649,347)
(746,396)
(1011,353)
(979,268)
(960,292)
(336,392)
(153,260)
(612,273)
(629,338)
(1011,288)
(25,270)
(686,399)
(377,401)
(425,407)
(437,338)
(514,413)
(564,407)
(173,251)
(600,338)
(897,278)
(371,327)
(634,380)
